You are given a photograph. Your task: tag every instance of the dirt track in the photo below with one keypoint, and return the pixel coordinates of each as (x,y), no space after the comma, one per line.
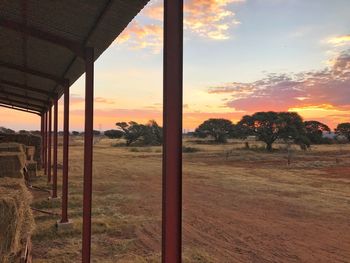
(232,213)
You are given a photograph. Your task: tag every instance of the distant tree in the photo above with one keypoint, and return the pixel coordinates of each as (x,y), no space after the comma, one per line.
(270,126)
(315,130)
(132,131)
(23,132)
(343,129)
(114,134)
(292,128)
(152,133)
(219,129)
(75,133)
(96,133)
(35,132)
(6,130)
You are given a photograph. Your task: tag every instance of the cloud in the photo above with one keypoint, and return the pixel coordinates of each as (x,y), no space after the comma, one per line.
(139,36)
(339,40)
(76,99)
(208,19)
(326,90)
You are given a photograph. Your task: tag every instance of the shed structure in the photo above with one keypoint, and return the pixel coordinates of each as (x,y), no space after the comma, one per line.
(45,46)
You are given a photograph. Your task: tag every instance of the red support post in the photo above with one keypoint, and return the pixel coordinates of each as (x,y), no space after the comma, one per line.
(45,143)
(49,137)
(88,153)
(42,141)
(172,121)
(55,128)
(64,218)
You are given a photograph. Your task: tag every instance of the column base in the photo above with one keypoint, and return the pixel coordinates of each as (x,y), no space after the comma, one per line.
(64,227)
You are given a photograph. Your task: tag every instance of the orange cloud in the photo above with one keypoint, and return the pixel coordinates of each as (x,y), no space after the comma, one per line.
(142,36)
(210,19)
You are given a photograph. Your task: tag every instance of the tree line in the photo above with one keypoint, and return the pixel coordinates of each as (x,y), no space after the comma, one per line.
(267,127)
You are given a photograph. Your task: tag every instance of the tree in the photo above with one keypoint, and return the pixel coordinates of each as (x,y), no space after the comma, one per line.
(219,129)
(132,131)
(270,126)
(96,132)
(343,129)
(36,132)
(114,134)
(315,130)
(261,124)
(291,127)
(6,130)
(152,134)
(75,133)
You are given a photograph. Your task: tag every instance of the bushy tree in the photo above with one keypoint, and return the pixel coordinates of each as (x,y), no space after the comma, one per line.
(270,126)
(75,133)
(114,134)
(153,134)
(149,134)
(315,130)
(132,131)
(219,129)
(343,129)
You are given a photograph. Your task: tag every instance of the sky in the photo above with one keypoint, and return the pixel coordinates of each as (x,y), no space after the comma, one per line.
(240,56)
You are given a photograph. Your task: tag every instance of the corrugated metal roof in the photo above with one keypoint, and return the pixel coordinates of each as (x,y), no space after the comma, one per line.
(31,67)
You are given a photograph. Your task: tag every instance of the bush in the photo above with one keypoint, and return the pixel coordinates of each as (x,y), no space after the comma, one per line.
(186,149)
(113,134)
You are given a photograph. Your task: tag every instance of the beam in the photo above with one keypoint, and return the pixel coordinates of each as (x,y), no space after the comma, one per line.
(73,46)
(38,73)
(19,109)
(49,149)
(172,121)
(64,214)
(55,128)
(24,87)
(21,96)
(107,7)
(22,104)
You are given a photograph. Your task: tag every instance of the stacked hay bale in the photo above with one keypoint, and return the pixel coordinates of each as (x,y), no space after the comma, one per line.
(26,139)
(16,219)
(12,160)
(31,165)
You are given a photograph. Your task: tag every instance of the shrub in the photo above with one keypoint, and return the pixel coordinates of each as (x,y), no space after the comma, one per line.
(186,149)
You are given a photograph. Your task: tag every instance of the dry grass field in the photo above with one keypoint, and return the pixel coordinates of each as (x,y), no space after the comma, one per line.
(239,206)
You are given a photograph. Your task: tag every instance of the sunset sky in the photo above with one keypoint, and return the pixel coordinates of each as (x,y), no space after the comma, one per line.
(240,56)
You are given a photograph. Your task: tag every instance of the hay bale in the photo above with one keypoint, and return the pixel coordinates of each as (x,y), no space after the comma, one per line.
(12,164)
(32,167)
(11,147)
(16,218)
(30,152)
(26,139)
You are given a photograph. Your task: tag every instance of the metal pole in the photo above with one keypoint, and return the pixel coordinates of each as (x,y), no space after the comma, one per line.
(55,127)
(64,218)
(49,147)
(45,143)
(42,141)
(172,121)
(88,151)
